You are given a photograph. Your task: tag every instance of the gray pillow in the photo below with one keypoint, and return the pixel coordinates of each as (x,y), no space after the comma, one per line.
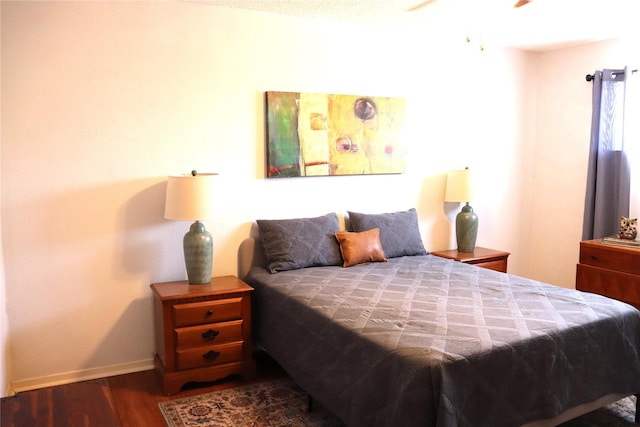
(399,231)
(290,244)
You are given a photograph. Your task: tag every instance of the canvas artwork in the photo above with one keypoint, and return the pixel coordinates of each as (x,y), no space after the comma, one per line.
(313,134)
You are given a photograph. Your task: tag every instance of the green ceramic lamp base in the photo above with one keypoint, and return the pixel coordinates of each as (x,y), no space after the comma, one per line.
(466,229)
(198,254)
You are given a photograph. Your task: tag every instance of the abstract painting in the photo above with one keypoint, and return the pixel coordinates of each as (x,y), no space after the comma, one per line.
(313,134)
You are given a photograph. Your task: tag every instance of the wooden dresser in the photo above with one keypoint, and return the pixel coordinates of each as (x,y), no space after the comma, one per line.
(612,271)
(203,332)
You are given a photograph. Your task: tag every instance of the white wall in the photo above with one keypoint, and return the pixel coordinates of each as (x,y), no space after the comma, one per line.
(5,357)
(101,101)
(563,126)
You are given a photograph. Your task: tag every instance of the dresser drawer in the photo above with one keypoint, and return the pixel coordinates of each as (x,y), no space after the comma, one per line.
(209,356)
(613,284)
(612,258)
(196,336)
(196,313)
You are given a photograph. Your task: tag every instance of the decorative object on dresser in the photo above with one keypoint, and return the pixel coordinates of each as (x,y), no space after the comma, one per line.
(202,333)
(190,197)
(609,270)
(460,189)
(481,257)
(628,228)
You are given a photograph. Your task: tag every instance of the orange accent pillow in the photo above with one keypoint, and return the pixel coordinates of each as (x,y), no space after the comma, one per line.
(358,248)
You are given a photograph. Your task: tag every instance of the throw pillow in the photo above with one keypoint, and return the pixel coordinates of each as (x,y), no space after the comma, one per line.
(358,248)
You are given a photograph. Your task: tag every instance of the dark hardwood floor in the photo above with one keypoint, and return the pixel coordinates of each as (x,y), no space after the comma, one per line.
(129,400)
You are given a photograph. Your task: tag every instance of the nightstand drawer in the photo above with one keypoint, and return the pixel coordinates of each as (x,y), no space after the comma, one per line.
(208,356)
(195,336)
(207,311)
(499,265)
(619,259)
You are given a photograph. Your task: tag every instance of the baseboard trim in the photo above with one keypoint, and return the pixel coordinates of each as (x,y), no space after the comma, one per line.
(80,375)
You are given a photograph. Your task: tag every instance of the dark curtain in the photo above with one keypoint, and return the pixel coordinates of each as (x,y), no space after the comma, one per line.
(608,175)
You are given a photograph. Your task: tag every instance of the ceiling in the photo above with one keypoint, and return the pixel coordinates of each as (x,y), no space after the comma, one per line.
(539,25)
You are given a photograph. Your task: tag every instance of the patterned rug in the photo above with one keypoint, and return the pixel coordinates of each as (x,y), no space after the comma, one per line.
(617,414)
(276,403)
(280,403)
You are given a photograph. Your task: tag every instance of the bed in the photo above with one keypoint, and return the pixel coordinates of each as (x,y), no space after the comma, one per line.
(384,334)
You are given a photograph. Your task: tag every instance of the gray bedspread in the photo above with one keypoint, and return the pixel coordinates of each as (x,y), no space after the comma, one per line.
(425,341)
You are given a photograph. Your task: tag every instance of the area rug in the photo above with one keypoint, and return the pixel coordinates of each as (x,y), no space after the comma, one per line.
(276,403)
(280,403)
(617,414)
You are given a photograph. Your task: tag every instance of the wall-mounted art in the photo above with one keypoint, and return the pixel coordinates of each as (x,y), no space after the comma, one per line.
(312,134)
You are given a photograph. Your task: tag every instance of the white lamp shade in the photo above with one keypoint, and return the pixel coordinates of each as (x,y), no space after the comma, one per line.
(459,186)
(189,197)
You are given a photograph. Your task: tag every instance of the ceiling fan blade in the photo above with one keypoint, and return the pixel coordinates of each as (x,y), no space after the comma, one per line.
(420,5)
(520,3)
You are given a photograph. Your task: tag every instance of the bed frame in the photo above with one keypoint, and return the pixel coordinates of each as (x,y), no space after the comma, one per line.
(251,254)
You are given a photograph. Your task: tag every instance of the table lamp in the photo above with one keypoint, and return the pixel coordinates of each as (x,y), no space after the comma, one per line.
(190,198)
(459,189)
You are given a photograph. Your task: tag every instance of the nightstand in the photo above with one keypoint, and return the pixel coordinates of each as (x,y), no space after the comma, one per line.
(482,257)
(202,332)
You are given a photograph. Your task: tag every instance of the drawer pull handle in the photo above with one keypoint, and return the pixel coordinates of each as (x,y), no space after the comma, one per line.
(211,355)
(594,257)
(210,335)
(209,313)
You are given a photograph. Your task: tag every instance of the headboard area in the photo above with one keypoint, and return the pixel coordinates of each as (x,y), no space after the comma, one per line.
(312,241)
(250,252)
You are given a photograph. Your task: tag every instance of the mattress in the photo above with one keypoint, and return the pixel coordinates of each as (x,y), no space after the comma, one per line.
(426,341)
